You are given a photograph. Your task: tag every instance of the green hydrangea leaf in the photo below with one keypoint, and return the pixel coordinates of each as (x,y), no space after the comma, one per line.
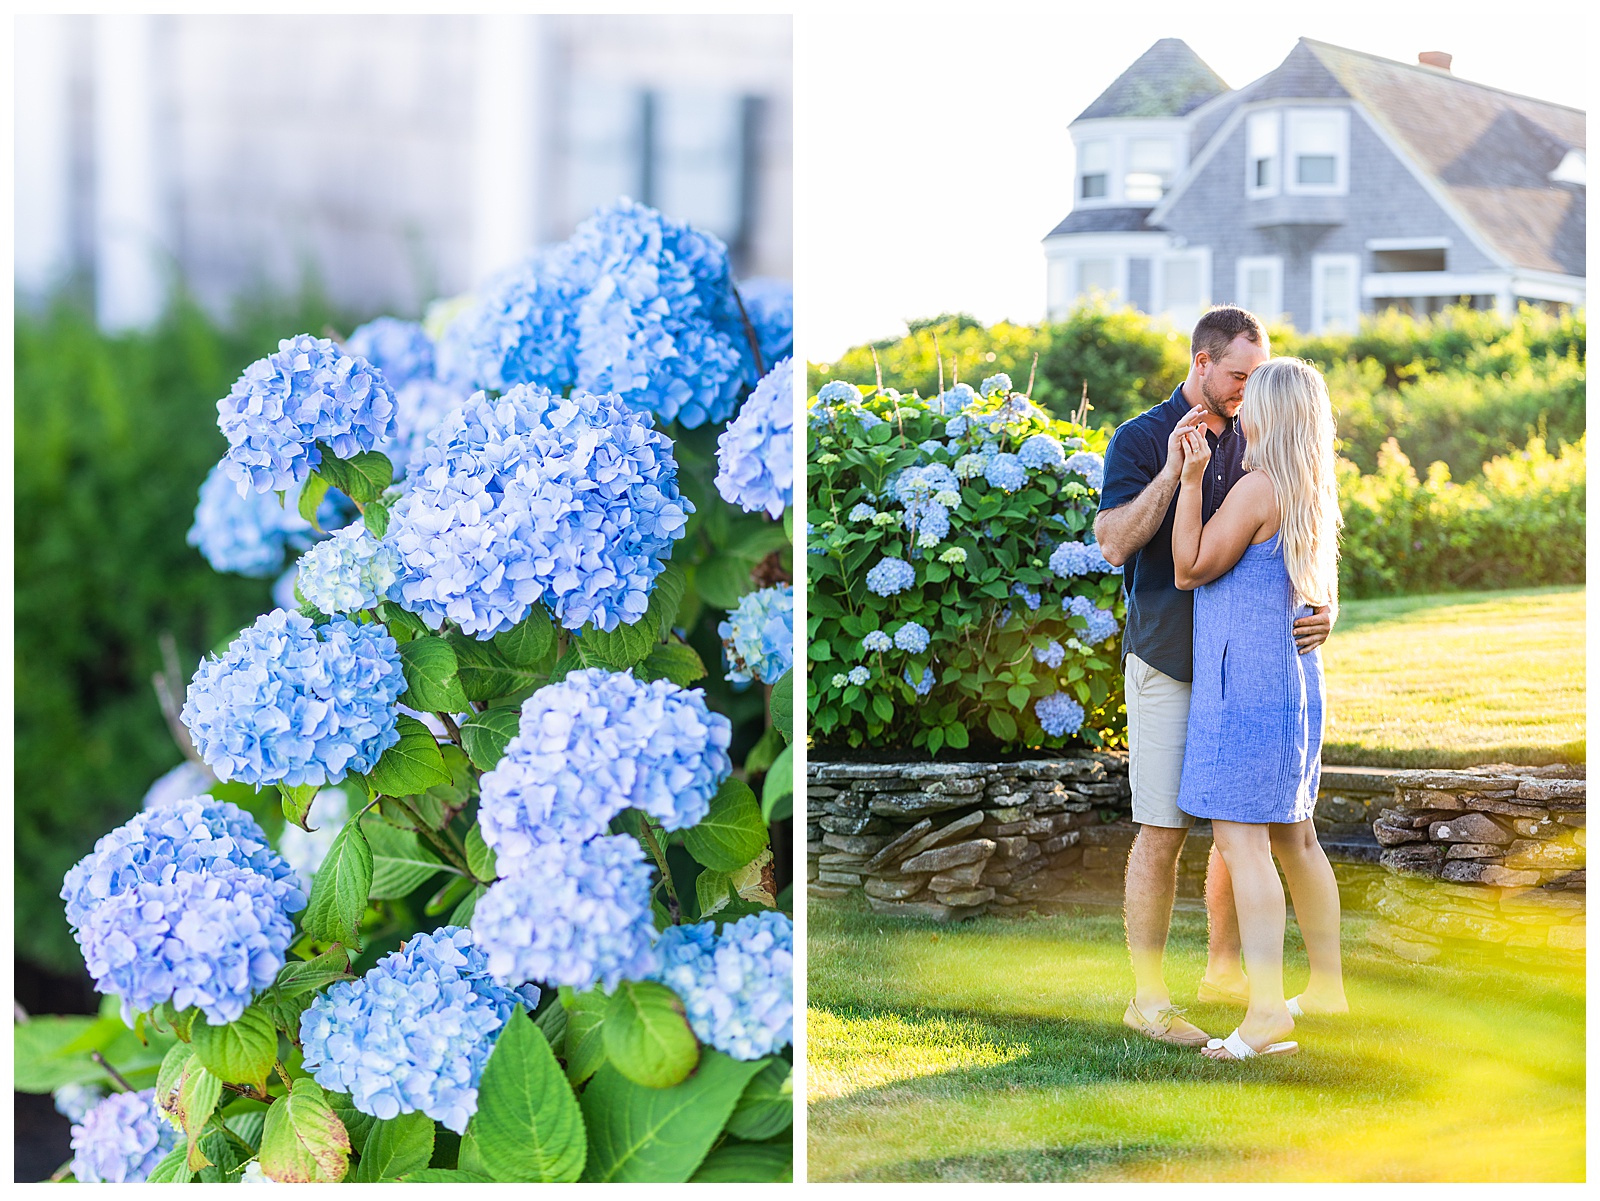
(732,833)
(485,735)
(528,642)
(432,681)
(778,787)
(782,705)
(748,1163)
(412,765)
(311,495)
(339,891)
(303,1141)
(480,856)
(240,1052)
(647,1035)
(528,1127)
(585,1049)
(672,660)
(362,477)
(400,864)
(396,1147)
(766,1107)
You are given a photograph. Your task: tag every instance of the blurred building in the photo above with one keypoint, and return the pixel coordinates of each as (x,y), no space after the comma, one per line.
(391,159)
(1338,184)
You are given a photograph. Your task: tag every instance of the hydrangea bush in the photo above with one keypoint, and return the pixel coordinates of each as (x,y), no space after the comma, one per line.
(957,598)
(460,880)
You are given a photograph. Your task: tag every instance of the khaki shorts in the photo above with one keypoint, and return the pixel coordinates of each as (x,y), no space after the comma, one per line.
(1158,724)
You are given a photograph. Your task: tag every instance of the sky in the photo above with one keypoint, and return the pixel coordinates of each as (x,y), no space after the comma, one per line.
(932,153)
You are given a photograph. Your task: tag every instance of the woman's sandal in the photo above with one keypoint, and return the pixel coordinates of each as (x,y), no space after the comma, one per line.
(1239,1049)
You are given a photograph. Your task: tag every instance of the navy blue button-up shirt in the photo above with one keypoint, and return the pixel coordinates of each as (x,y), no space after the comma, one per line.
(1160,622)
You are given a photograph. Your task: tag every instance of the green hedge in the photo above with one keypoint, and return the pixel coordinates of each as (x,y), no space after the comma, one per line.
(113,436)
(1460,387)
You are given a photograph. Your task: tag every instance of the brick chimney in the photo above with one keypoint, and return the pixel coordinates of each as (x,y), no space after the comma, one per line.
(1434,58)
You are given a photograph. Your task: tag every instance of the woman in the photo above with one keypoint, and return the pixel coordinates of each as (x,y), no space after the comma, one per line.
(1253,756)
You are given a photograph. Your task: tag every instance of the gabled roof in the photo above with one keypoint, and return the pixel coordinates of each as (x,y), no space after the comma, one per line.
(1490,151)
(1167,80)
(1104,220)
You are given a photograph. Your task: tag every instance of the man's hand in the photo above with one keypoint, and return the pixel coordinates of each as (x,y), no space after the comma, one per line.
(1311,632)
(1175,440)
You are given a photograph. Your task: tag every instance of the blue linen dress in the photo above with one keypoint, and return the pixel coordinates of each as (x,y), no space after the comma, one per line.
(1254,746)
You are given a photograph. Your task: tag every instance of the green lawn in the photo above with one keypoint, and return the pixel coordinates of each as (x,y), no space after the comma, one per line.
(1457,679)
(994,1050)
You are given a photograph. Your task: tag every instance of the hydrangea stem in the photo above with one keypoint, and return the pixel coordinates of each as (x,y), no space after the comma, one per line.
(116,1076)
(648,833)
(439,844)
(749,333)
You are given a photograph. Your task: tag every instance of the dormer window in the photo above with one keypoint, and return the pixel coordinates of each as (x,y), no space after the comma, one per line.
(1319,151)
(1152,162)
(1094,170)
(1261,154)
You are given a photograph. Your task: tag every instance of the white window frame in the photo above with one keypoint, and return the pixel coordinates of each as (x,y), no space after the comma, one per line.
(1247,263)
(1341,159)
(1174,156)
(1319,263)
(1119,274)
(1110,172)
(1273,120)
(1159,303)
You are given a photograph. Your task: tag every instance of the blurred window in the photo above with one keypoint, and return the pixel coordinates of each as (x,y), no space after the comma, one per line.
(1261,154)
(698,160)
(605,145)
(1151,165)
(1334,303)
(1183,288)
(1094,170)
(1319,142)
(1416,259)
(1097,275)
(1260,285)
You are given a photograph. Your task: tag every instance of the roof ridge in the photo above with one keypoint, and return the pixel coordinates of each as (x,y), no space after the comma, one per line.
(1437,73)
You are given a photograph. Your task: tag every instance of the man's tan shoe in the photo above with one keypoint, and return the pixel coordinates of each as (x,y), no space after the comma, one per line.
(1166,1026)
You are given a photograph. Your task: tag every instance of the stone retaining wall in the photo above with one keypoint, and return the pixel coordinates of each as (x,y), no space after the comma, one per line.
(950,840)
(1486,856)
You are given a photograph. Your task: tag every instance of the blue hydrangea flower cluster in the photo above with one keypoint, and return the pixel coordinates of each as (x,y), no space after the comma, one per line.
(592,745)
(349,572)
(1058,714)
(522,329)
(577,914)
(1051,654)
(861,512)
(1006,472)
(758,637)
(920,687)
(875,640)
(1080,558)
(249,534)
(420,408)
(413,1033)
(911,637)
(1090,466)
(295,703)
(755,454)
(1041,450)
(931,447)
(951,403)
(923,483)
(737,986)
(122,1139)
(838,392)
(998,382)
(309,392)
(658,324)
(179,784)
(859,675)
(185,903)
(890,576)
(1029,597)
(401,350)
(1102,622)
(532,497)
(74,1101)
(769,303)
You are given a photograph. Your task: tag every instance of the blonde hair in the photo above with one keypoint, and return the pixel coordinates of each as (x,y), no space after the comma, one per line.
(1288,425)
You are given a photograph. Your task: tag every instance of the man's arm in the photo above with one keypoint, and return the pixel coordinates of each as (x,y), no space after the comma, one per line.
(1126,529)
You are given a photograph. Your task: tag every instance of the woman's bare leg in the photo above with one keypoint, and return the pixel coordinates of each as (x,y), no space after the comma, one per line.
(1258,895)
(1316,909)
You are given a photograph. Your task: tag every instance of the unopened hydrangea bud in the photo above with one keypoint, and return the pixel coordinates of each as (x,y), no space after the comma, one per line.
(349,572)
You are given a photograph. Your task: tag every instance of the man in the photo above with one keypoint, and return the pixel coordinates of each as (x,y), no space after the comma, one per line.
(1134,529)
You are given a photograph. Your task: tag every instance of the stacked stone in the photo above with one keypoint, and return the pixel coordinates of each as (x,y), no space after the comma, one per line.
(950,840)
(1489,855)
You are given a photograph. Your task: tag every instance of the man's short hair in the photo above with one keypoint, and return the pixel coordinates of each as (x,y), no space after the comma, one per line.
(1215,331)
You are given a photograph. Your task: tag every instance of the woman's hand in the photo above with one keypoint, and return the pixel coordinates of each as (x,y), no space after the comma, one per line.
(1196,454)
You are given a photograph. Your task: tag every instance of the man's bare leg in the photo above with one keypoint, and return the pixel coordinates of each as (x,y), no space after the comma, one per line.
(1151,884)
(1223,949)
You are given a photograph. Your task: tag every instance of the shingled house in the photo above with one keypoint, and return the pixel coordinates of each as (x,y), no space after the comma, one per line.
(1338,184)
